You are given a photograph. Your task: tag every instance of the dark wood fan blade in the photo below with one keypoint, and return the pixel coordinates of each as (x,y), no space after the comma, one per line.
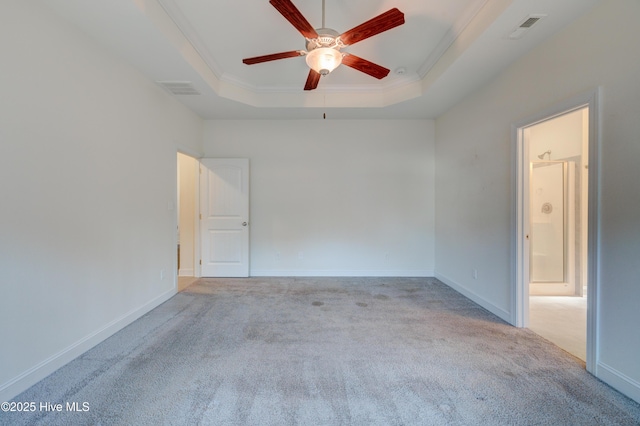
(374,70)
(272,57)
(390,19)
(312,80)
(293,15)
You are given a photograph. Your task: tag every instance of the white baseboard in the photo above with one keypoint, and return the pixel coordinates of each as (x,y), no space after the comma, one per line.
(38,372)
(619,381)
(506,316)
(341,273)
(185,272)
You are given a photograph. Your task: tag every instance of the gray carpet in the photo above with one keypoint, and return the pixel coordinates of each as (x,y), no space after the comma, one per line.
(325,351)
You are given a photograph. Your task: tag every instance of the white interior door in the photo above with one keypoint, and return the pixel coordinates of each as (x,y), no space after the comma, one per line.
(224,217)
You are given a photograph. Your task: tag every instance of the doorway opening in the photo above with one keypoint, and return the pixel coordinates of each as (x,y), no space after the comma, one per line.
(187,229)
(555,286)
(558,194)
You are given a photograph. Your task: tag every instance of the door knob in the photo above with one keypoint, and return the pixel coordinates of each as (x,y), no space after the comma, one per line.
(244,223)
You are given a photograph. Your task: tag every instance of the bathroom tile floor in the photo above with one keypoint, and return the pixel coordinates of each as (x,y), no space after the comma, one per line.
(561,320)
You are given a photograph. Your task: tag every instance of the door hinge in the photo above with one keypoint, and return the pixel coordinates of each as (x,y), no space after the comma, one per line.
(201,261)
(200,216)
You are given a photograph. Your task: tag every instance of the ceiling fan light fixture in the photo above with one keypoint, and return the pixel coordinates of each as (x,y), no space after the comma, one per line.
(323,60)
(323,44)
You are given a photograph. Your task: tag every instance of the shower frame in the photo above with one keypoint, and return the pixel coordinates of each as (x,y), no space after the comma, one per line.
(567,286)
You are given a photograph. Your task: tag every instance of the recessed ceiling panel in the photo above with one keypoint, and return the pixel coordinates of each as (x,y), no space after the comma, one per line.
(226,32)
(444,51)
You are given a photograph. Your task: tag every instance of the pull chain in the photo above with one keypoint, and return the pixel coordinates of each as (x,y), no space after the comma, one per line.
(324,97)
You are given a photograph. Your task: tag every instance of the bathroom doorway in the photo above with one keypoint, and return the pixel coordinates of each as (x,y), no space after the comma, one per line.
(558,192)
(187,229)
(555,272)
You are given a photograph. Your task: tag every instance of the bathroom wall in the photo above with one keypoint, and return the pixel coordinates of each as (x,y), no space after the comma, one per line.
(187,174)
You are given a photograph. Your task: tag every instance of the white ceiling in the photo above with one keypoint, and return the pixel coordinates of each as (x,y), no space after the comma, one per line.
(447,49)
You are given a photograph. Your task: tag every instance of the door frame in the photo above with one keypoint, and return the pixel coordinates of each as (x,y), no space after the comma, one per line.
(520,229)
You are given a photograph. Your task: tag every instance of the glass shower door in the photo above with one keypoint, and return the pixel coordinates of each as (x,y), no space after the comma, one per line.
(548,222)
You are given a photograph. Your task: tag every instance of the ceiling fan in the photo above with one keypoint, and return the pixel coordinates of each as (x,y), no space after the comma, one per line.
(323,44)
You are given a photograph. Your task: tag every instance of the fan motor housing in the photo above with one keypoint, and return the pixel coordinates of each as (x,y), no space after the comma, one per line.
(327,37)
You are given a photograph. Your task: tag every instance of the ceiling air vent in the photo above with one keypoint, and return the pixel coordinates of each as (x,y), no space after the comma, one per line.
(529,22)
(179,87)
(524,26)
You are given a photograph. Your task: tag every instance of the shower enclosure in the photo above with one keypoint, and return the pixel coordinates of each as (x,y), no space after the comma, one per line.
(552,202)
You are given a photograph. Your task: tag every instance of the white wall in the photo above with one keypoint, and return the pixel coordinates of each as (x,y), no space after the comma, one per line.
(335,197)
(87,193)
(473,176)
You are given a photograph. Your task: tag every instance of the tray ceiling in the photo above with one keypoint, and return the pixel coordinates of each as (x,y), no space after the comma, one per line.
(445,50)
